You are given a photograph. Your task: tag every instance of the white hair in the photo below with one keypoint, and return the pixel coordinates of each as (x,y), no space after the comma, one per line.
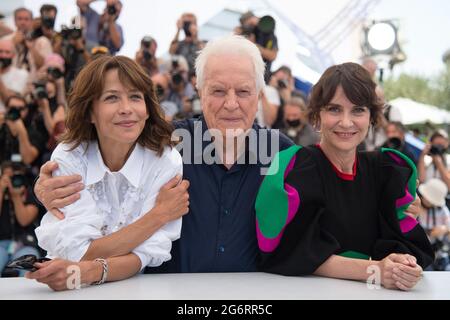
(231,45)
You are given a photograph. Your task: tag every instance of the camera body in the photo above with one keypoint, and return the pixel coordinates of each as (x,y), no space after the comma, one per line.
(112,10)
(13,114)
(437,150)
(18,181)
(40,91)
(48,22)
(54,72)
(177,78)
(263,31)
(147,55)
(73,33)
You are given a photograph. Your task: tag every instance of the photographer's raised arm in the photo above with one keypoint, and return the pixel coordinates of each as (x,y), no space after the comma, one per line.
(84,5)
(25,213)
(174,44)
(28,152)
(116,37)
(268,54)
(421,169)
(61,92)
(442,169)
(44,108)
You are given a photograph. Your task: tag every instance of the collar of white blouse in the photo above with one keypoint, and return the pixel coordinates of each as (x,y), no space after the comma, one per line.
(96,168)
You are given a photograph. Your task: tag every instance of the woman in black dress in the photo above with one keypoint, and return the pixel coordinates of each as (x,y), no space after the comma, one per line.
(333,211)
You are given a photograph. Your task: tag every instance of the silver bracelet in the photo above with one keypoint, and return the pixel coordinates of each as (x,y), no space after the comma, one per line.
(104,273)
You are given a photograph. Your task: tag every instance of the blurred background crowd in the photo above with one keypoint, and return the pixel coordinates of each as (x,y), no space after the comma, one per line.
(38,65)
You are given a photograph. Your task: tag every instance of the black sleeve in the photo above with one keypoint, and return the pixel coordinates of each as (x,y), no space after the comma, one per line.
(301,244)
(400,233)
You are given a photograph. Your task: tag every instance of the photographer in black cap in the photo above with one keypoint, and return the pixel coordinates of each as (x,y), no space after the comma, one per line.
(437,150)
(146,56)
(18,214)
(261,31)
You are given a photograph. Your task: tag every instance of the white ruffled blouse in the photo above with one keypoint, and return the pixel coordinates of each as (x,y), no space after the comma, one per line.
(110,201)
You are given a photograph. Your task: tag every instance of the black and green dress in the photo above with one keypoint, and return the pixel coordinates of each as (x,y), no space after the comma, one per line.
(308,211)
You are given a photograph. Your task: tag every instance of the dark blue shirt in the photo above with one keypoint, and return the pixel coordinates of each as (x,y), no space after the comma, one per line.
(219,232)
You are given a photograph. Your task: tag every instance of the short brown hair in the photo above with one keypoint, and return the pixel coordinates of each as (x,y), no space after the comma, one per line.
(88,87)
(21,9)
(15,96)
(357,84)
(297,102)
(47,8)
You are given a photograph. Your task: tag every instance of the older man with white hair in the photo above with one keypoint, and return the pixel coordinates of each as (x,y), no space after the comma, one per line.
(224,154)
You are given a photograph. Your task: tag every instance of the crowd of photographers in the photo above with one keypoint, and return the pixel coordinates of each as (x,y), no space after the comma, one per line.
(39,64)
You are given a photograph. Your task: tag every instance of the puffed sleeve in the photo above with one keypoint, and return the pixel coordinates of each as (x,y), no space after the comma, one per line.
(289,207)
(156,250)
(399,232)
(70,238)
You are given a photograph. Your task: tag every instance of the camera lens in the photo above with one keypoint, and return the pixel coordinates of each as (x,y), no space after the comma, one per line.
(177,78)
(112,10)
(18,181)
(147,55)
(54,72)
(40,91)
(13,114)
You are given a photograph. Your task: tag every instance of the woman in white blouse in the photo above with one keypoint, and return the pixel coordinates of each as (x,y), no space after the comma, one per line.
(118,141)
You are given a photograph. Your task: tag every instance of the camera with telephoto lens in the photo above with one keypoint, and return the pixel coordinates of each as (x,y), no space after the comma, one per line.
(13,114)
(40,92)
(112,10)
(54,72)
(73,32)
(18,181)
(265,29)
(436,150)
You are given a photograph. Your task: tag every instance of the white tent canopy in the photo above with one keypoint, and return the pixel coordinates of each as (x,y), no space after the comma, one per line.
(413,112)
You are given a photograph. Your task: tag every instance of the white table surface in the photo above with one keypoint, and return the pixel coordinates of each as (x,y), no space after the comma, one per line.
(228,286)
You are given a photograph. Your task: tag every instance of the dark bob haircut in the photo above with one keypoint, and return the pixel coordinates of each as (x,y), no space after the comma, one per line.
(357,84)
